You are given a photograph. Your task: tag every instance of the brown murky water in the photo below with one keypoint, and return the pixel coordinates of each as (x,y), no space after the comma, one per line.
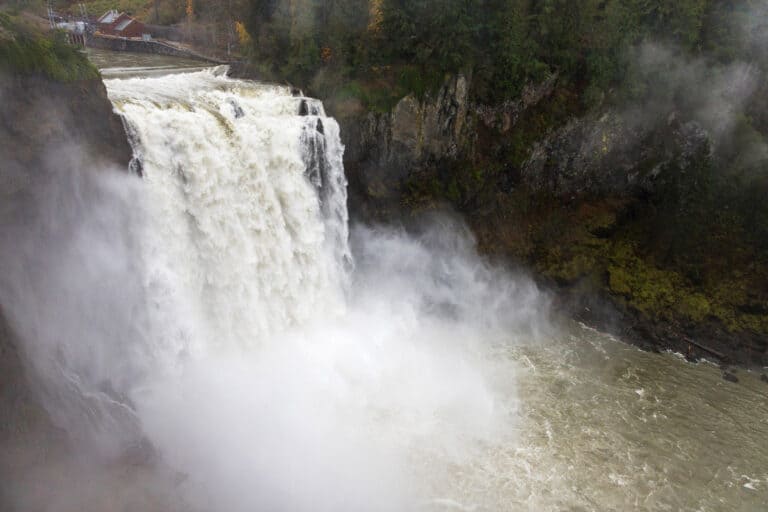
(605,426)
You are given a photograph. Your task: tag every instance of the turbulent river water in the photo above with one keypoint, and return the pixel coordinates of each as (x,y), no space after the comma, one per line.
(276,360)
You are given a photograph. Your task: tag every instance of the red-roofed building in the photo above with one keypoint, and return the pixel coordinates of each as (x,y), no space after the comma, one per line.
(117,24)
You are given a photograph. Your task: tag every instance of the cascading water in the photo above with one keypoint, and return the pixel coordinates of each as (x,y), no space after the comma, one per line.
(328,396)
(237,231)
(245,266)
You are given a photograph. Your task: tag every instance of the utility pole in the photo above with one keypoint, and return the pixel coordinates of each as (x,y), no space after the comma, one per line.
(229,23)
(50,15)
(86,24)
(190,10)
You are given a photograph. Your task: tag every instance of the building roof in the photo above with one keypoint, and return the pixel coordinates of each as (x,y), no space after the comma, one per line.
(109,17)
(121,26)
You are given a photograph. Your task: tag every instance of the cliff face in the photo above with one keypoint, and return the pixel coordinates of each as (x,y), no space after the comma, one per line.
(47,128)
(390,155)
(40,116)
(615,213)
(385,150)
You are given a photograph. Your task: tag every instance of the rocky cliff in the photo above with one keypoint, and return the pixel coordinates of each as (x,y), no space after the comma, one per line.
(49,126)
(385,150)
(612,210)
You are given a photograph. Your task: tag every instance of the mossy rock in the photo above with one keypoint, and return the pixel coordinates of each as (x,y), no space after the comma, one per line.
(620,281)
(695,306)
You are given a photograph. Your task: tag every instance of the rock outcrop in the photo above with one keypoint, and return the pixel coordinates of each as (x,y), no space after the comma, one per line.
(610,155)
(47,127)
(385,149)
(605,206)
(41,118)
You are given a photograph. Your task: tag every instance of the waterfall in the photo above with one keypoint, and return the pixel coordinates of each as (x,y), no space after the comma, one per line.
(247,206)
(206,318)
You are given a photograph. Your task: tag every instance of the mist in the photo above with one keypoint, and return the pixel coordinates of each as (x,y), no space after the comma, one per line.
(69,289)
(365,411)
(715,91)
(144,341)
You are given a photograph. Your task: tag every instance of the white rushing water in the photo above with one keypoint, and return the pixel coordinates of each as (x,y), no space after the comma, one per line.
(205,338)
(266,381)
(245,198)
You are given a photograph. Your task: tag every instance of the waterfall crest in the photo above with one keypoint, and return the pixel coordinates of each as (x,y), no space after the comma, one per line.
(247,206)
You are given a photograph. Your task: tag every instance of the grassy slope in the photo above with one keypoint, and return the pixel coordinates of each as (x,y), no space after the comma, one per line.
(25,50)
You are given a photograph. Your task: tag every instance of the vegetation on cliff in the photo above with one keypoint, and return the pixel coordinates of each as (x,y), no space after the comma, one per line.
(404,46)
(26,50)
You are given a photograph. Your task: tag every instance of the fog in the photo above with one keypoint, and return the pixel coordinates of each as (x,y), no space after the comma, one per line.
(715,91)
(713,95)
(68,289)
(135,304)
(362,411)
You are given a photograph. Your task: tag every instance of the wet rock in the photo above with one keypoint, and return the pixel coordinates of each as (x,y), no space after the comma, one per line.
(386,149)
(764,377)
(504,117)
(730,377)
(692,358)
(603,171)
(608,154)
(40,116)
(136,166)
(238,111)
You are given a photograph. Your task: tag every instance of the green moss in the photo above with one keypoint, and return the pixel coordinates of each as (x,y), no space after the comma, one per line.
(754,323)
(573,266)
(666,293)
(419,81)
(24,51)
(452,192)
(619,281)
(375,97)
(646,288)
(695,306)
(587,241)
